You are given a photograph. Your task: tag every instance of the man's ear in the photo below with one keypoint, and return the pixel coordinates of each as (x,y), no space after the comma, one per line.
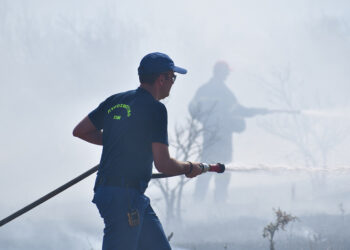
(161,80)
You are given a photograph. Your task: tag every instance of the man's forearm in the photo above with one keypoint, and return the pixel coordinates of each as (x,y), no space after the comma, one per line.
(170,166)
(174,167)
(245,112)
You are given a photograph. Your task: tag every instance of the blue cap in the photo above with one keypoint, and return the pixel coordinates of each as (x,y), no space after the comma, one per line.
(157,63)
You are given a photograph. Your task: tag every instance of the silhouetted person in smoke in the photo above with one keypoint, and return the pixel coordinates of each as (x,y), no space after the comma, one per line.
(221,115)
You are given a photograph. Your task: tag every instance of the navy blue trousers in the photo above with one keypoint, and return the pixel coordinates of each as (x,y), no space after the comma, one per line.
(113,204)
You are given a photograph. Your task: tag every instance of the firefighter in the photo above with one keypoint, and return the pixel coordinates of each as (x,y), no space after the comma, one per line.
(132,128)
(221,115)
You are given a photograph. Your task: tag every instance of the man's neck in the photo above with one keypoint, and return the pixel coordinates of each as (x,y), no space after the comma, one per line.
(151,89)
(218,80)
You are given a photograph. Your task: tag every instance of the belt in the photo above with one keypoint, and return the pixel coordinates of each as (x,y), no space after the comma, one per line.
(117,182)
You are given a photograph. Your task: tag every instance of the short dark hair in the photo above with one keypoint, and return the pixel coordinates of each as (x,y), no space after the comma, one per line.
(149,78)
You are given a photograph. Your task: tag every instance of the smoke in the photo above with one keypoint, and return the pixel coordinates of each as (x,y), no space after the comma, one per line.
(60,59)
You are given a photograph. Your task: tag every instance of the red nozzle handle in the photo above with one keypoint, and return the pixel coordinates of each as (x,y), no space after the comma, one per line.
(218,168)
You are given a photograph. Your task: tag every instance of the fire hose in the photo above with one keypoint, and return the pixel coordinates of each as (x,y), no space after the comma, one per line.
(218,168)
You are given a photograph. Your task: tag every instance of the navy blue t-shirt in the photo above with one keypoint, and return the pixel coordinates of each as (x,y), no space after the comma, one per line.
(130,121)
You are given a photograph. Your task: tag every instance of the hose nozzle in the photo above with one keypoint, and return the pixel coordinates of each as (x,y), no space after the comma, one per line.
(218,167)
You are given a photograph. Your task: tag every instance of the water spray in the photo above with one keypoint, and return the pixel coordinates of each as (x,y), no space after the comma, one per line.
(218,168)
(325,113)
(283,111)
(281,168)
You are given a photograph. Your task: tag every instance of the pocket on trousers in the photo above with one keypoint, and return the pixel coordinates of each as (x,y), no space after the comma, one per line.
(103,201)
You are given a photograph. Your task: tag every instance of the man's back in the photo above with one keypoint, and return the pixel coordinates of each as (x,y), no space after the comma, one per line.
(131,121)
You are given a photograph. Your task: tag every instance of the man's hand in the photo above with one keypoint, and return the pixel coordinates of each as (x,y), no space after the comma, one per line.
(196,170)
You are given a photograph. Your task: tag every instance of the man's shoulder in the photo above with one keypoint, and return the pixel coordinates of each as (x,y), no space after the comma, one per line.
(124,93)
(120,95)
(144,99)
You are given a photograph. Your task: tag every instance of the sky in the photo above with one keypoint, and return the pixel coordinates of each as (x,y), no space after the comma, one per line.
(60,59)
